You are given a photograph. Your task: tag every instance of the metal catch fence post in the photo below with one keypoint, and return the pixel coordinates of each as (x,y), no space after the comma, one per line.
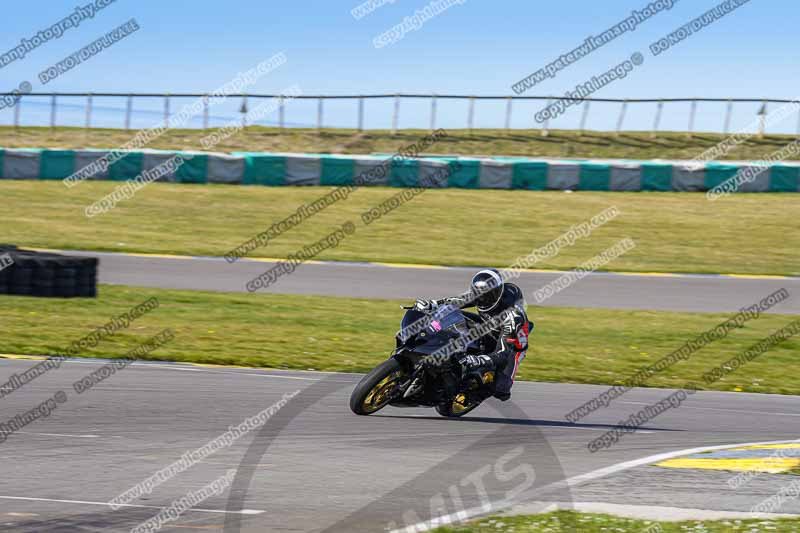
(128,112)
(657,120)
(546,125)
(692,114)
(53,105)
(728,114)
(360,113)
(17,112)
(89,111)
(471,114)
(621,118)
(166,110)
(584,116)
(433,112)
(395,114)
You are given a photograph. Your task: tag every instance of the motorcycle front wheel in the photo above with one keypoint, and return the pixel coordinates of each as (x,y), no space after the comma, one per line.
(376,389)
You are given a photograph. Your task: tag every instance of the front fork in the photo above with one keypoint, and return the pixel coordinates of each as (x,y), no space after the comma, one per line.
(477,384)
(423,375)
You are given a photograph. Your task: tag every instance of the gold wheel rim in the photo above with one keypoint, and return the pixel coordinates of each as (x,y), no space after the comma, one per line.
(380,395)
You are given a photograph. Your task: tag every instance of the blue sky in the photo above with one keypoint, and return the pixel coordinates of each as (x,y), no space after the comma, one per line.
(477,47)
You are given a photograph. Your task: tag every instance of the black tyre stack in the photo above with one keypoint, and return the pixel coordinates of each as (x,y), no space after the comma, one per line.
(47,274)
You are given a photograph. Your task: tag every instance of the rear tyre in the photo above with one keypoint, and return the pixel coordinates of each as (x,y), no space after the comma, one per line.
(376,389)
(458,407)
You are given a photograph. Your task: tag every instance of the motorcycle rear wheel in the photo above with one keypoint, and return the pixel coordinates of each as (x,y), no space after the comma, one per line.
(376,389)
(457,407)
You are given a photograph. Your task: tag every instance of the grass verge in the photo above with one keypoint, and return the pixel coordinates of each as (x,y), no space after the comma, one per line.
(674,232)
(596,523)
(559,143)
(349,334)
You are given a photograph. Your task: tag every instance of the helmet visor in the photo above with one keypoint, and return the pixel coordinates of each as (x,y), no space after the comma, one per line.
(487,292)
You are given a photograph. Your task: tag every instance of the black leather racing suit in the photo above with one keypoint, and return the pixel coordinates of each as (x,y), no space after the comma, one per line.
(507,324)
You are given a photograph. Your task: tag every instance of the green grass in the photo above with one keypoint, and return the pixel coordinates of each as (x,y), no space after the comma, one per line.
(349,334)
(559,143)
(567,521)
(674,232)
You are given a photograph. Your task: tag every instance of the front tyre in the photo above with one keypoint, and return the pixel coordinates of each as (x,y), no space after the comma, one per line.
(458,407)
(377,389)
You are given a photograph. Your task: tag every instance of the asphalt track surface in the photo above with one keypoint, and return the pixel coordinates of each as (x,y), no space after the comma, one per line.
(664,292)
(314,466)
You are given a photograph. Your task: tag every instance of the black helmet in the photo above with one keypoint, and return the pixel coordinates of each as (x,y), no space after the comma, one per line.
(487,288)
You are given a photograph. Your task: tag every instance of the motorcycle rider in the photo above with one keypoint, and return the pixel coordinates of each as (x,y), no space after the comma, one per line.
(502,307)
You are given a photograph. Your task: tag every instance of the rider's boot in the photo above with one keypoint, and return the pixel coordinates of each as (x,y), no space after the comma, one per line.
(479,371)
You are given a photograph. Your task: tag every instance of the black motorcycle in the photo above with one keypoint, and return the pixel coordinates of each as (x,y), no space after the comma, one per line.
(423,370)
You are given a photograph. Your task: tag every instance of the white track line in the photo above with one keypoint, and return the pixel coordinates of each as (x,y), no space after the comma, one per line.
(573,481)
(106,504)
(59,435)
(187,368)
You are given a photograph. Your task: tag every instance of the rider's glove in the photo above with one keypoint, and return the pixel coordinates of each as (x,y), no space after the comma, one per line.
(471,362)
(424,305)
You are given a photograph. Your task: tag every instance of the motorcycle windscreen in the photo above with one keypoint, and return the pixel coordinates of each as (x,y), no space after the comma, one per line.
(414,322)
(447,324)
(446,317)
(411,317)
(434,343)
